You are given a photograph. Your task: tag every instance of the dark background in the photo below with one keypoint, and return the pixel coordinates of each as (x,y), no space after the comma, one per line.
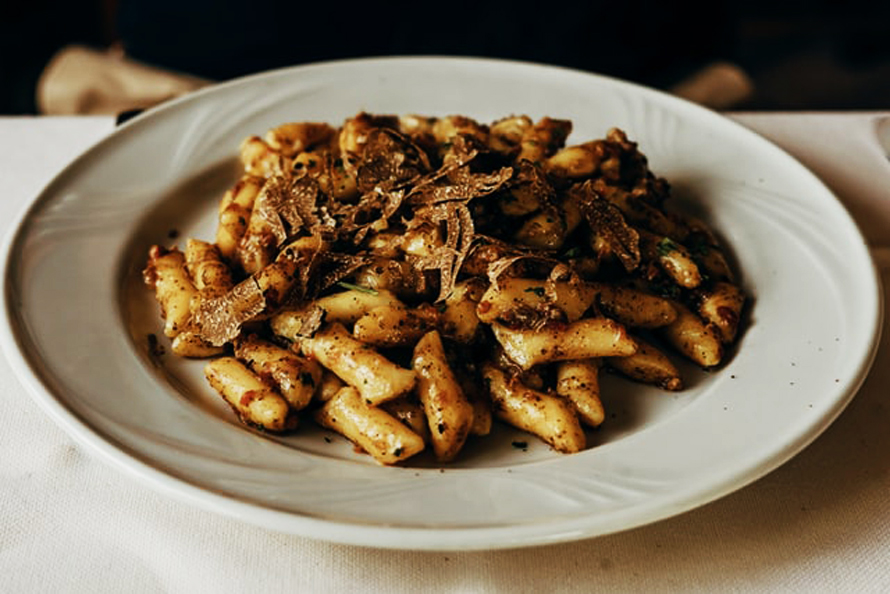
(800,55)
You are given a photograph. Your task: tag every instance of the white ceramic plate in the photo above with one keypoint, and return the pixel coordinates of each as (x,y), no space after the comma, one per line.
(79,319)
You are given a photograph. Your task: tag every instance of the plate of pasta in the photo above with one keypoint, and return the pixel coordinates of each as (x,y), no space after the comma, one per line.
(439,303)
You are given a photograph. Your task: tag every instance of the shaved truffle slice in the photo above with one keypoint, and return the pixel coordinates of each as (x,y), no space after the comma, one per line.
(456,179)
(606,220)
(291,205)
(219,320)
(390,160)
(462,185)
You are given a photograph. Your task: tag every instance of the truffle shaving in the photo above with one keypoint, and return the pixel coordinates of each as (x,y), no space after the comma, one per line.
(289,206)
(219,320)
(390,160)
(607,220)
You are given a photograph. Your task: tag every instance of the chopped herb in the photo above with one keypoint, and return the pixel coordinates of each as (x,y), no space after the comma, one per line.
(539,291)
(520,445)
(397,452)
(666,246)
(353,287)
(311,163)
(573,252)
(306,379)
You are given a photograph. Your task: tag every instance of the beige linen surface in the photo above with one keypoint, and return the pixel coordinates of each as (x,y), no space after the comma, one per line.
(80,80)
(69,522)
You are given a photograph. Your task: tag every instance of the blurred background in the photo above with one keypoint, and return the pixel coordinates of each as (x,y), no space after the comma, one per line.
(744,55)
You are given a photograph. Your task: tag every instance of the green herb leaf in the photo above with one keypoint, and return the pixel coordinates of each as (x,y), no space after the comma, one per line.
(573,252)
(353,287)
(539,291)
(666,246)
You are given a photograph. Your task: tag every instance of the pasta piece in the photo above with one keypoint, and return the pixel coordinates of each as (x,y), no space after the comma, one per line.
(189,344)
(211,276)
(482,419)
(673,258)
(347,307)
(312,164)
(297,323)
(375,377)
(277,278)
(448,412)
(510,298)
(545,230)
(235,209)
(174,291)
(329,385)
(694,338)
(371,428)
(571,214)
(575,162)
(355,132)
(446,128)
(410,412)
(505,135)
(584,339)
(389,326)
(385,273)
(296,378)
(253,401)
(422,241)
(633,307)
(649,365)
(343,185)
(258,245)
(549,417)
(296,137)
(260,159)
(578,382)
(459,320)
(721,305)
(543,139)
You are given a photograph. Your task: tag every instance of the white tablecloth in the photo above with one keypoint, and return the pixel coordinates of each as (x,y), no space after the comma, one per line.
(71,523)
